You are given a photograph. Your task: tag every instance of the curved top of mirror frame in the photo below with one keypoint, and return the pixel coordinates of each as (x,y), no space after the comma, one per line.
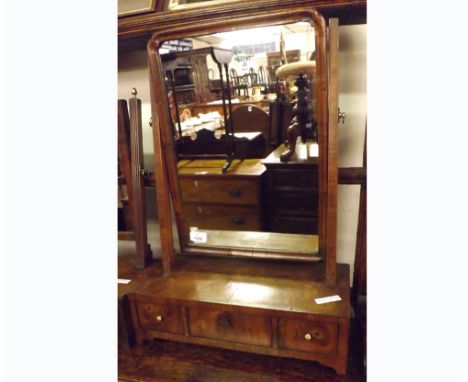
(202,25)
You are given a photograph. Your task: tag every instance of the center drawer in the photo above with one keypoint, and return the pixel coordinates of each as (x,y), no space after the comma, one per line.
(228,326)
(215,190)
(307,335)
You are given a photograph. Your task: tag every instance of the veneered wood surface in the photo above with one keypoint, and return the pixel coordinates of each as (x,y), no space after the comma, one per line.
(332,151)
(350,11)
(274,286)
(324,335)
(228,326)
(245,298)
(171,317)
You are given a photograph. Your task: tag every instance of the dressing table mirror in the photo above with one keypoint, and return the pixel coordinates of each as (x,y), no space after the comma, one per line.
(245,151)
(234,191)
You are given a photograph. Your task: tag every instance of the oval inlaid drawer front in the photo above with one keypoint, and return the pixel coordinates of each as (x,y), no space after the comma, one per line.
(225,191)
(228,326)
(160,317)
(305,335)
(205,216)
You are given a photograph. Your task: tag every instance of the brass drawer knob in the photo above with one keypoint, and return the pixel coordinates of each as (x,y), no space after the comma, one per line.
(159,318)
(308,337)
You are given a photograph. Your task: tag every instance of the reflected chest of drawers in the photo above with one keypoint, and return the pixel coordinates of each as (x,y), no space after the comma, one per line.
(292,191)
(230,201)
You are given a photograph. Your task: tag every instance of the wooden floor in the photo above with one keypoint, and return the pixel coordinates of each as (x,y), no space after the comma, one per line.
(161,360)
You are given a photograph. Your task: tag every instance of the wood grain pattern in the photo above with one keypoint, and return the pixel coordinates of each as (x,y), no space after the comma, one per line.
(350,11)
(163,200)
(332,151)
(170,317)
(323,335)
(235,289)
(228,326)
(273,286)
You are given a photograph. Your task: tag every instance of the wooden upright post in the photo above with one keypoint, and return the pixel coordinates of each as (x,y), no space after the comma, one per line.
(332,152)
(143,250)
(163,198)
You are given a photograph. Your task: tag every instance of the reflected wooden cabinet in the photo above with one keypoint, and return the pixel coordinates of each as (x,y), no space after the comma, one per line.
(292,192)
(217,201)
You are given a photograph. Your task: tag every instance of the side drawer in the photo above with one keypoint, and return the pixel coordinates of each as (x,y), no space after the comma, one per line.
(234,218)
(228,326)
(217,190)
(165,318)
(306,335)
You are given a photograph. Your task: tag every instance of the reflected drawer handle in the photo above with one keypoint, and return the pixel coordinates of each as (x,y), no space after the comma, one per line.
(225,321)
(308,337)
(159,318)
(235,192)
(239,220)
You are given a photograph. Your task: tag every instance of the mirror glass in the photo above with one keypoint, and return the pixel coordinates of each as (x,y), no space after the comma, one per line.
(243,121)
(134,6)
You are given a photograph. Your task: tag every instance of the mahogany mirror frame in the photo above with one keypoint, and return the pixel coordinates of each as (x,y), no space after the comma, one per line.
(165,159)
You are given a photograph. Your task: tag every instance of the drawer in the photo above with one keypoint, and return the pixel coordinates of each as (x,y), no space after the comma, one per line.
(287,224)
(216,190)
(295,202)
(305,335)
(293,178)
(228,326)
(218,217)
(164,318)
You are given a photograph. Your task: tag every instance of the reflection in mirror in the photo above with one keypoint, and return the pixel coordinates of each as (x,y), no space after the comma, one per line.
(134,6)
(242,112)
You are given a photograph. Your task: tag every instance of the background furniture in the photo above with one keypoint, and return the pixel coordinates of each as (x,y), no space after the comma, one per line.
(251,118)
(213,200)
(189,70)
(131,180)
(292,191)
(274,61)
